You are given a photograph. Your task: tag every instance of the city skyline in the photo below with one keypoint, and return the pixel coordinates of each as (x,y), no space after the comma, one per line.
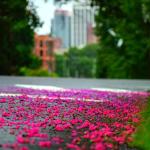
(45,11)
(76,28)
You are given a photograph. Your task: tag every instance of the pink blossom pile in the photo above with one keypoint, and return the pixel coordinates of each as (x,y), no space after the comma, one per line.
(73,119)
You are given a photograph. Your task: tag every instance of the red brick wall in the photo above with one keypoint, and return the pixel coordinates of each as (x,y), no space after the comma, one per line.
(44,47)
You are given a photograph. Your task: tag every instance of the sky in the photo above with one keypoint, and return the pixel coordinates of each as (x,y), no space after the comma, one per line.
(45,11)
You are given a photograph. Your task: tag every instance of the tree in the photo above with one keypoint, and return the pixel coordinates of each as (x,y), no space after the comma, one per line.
(78,62)
(17,22)
(124,31)
(60,68)
(124,28)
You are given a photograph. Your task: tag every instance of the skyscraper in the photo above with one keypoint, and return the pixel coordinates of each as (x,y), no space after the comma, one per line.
(75,29)
(61,27)
(81,19)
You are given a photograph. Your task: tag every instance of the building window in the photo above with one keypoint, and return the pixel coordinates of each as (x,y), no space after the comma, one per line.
(41,52)
(41,43)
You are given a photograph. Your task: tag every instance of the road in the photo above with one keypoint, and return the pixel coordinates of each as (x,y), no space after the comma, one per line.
(77,83)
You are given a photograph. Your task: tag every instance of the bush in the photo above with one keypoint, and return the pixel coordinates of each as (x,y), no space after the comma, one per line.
(36,72)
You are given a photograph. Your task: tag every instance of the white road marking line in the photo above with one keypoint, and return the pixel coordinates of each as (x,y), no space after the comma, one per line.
(40,87)
(111,90)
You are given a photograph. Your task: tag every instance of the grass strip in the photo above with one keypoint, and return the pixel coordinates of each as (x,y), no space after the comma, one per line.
(141,138)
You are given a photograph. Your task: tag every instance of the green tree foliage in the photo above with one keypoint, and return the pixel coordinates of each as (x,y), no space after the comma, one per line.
(40,72)
(60,61)
(17,22)
(124,28)
(78,62)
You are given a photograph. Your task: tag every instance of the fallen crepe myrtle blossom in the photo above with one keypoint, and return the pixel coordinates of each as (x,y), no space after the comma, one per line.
(65,120)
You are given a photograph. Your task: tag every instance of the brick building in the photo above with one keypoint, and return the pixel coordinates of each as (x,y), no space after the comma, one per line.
(44,48)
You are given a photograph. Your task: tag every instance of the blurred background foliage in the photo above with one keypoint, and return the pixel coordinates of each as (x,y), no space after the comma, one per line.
(78,62)
(24,71)
(123,51)
(17,22)
(123,28)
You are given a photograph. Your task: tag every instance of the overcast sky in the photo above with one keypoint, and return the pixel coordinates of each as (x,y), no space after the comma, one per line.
(45,10)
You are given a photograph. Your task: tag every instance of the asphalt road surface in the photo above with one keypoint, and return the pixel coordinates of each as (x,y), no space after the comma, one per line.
(79,83)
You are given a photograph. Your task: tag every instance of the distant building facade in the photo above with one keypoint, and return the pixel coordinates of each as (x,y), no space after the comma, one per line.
(91,37)
(82,21)
(61,27)
(44,48)
(76,28)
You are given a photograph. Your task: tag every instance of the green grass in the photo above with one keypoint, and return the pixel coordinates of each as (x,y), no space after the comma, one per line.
(141,138)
